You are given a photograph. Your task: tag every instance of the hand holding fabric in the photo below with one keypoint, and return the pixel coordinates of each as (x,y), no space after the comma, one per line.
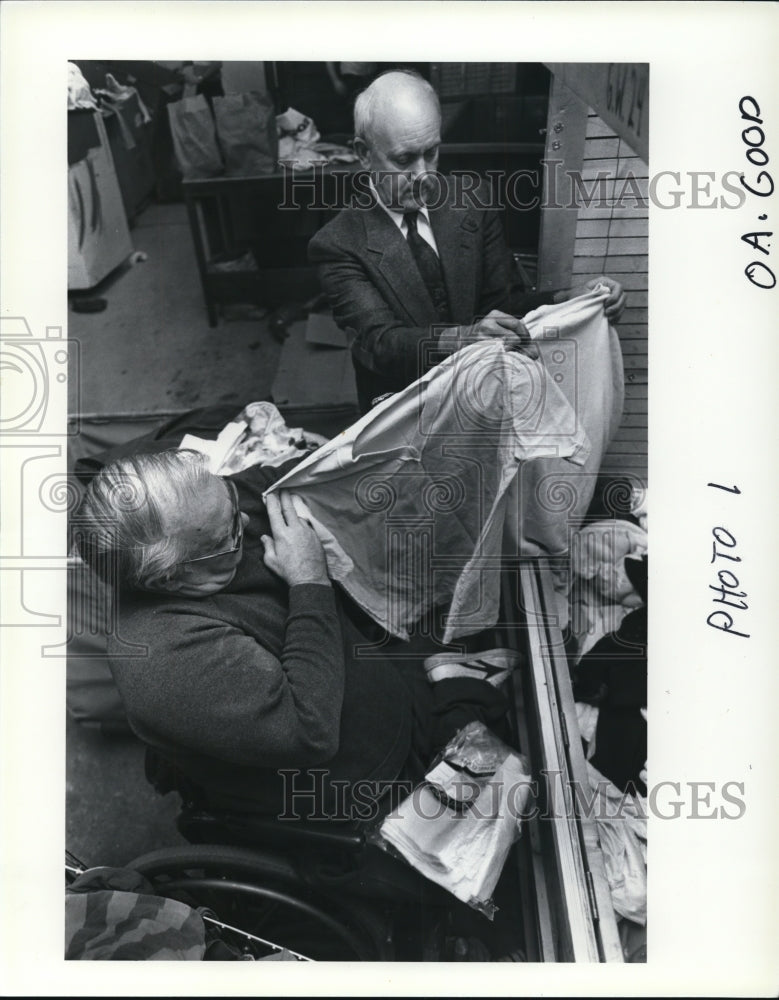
(498,325)
(294,552)
(614,304)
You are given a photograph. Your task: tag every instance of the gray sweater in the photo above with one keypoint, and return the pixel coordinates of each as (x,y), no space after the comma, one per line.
(255,678)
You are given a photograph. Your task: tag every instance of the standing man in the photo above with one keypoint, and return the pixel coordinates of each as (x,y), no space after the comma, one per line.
(417,267)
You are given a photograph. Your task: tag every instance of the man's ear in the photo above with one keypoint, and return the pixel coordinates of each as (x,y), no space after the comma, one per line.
(363,152)
(165,583)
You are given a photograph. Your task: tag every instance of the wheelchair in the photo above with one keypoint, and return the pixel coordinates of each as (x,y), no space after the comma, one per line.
(320,889)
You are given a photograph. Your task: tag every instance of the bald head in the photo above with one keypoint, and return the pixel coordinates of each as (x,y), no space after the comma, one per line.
(391,97)
(397,124)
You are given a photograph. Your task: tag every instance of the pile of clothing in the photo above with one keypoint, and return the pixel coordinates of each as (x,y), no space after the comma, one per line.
(609,619)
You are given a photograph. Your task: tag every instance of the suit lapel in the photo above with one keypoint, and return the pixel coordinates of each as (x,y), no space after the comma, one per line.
(455,232)
(392,258)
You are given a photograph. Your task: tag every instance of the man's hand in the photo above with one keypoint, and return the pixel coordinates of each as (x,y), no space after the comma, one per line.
(613,305)
(497,325)
(294,553)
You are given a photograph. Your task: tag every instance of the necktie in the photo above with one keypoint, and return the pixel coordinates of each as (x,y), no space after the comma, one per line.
(429,266)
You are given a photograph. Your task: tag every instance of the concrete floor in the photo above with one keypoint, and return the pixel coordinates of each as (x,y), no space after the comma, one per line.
(150,351)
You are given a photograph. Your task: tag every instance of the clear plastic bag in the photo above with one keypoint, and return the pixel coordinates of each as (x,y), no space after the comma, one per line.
(457,827)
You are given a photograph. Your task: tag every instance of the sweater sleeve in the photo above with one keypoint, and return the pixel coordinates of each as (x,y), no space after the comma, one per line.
(213,689)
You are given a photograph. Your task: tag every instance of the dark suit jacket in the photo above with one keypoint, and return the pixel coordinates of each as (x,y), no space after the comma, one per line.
(378,297)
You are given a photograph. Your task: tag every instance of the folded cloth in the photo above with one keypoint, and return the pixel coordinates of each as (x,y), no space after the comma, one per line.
(458,826)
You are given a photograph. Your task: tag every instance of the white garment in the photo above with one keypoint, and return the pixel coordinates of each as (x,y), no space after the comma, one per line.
(422,492)
(458,833)
(621,821)
(415,491)
(582,354)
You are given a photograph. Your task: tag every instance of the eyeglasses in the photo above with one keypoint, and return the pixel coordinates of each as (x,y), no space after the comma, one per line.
(236,537)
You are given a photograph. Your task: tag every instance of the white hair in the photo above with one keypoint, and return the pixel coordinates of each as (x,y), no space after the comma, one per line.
(120,528)
(367,103)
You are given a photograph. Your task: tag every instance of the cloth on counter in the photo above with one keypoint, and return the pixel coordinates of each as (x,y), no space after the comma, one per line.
(300,146)
(621,821)
(458,826)
(258,436)
(415,491)
(601,592)
(587,718)
(581,353)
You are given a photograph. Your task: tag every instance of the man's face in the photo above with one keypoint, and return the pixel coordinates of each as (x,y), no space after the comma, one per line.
(212,527)
(403,152)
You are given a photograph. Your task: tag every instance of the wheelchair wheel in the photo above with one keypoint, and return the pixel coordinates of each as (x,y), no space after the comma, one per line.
(264,895)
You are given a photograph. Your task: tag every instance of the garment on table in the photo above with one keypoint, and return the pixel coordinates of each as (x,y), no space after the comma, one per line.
(581,353)
(621,822)
(605,583)
(410,502)
(457,827)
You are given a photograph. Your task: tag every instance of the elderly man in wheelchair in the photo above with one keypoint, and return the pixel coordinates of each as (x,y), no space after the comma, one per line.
(256,701)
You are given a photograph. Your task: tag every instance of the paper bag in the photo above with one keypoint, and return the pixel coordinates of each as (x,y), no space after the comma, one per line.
(246,126)
(194,138)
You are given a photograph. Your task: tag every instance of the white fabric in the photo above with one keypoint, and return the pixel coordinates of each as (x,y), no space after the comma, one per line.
(621,821)
(601,593)
(415,491)
(581,352)
(463,847)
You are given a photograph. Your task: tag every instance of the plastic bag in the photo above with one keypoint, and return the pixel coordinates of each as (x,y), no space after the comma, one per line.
(298,137)
(457,827)
(246,126)
(194,138)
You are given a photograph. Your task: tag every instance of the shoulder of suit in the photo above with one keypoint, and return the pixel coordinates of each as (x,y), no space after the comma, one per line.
(347,224)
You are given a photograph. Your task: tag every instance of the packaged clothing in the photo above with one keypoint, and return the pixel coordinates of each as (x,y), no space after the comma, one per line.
(457,827)
(415,493)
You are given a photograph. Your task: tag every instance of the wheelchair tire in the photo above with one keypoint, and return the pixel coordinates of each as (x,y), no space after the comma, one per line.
(263,894)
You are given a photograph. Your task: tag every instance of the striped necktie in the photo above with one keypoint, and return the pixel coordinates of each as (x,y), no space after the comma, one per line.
(429,266)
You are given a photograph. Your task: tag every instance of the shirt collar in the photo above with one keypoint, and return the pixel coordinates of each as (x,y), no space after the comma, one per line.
(397,217)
